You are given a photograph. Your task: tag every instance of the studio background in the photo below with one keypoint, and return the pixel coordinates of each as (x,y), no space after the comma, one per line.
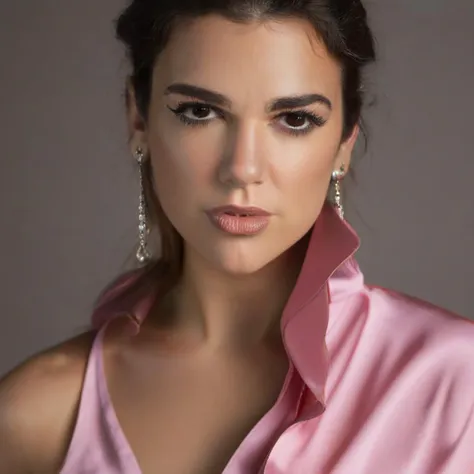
(69,187)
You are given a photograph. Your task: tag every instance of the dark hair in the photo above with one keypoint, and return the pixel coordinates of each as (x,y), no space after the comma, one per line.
(145,27)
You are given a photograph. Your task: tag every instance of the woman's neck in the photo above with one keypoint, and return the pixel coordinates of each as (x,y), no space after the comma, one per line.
(231,311)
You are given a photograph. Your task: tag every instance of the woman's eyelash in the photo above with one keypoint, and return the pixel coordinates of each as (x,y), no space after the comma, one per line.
(183,106)
(313,119)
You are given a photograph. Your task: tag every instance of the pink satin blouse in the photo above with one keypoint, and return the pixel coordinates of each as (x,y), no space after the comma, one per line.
(382,383)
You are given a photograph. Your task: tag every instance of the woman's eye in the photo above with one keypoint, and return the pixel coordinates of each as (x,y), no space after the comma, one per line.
(198,112)
(299,123)
(296,120)
(195,113)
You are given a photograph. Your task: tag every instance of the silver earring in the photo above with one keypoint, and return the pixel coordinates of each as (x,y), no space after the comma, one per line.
(337,177)
(143,254)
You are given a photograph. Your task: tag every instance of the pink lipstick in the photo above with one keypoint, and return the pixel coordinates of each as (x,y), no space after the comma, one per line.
(237,220)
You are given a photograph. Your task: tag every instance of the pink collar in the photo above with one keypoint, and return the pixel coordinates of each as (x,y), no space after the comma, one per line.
(305,318)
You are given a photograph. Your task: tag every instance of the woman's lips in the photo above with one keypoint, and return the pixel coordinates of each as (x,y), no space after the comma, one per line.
(237,220)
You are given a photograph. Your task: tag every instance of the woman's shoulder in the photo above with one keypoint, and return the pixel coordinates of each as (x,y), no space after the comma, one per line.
(416,313)
(38,406)
(442,337)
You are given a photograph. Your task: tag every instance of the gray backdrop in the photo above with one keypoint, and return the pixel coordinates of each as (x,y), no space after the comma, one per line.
(69,187)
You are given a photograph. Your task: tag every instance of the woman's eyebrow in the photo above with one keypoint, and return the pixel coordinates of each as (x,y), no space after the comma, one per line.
(280,103)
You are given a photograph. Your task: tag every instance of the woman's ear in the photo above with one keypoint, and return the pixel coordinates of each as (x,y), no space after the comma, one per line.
(137,129)
(344,155)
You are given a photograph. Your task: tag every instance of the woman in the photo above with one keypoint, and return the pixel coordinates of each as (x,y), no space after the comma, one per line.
(252,345)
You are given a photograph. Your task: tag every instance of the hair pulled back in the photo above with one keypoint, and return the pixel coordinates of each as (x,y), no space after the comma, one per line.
(145,27)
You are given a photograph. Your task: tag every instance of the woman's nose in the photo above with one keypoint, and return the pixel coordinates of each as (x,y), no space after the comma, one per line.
(243,163)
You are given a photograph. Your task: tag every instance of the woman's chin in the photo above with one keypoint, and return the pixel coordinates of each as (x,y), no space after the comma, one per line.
(239,262)
(239,267)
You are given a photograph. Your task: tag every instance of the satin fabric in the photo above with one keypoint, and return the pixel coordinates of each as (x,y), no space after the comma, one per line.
(385,381)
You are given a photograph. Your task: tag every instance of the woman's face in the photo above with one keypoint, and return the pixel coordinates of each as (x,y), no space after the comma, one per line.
(221,131)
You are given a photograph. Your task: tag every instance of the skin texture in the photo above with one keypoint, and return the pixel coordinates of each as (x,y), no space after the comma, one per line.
(248,158)
(221,322)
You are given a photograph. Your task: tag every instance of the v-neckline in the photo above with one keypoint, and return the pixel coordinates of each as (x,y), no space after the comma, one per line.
(125,449)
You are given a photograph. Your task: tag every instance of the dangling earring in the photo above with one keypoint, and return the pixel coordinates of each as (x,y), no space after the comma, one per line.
(337,177)
(143,255)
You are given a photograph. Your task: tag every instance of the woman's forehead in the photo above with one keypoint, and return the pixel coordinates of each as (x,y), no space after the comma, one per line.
(273,58)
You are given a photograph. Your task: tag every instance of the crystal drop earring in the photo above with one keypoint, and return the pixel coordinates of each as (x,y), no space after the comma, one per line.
(143,254)
(336,178)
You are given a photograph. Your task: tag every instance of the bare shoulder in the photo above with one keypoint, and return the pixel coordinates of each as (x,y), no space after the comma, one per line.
(38,407)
